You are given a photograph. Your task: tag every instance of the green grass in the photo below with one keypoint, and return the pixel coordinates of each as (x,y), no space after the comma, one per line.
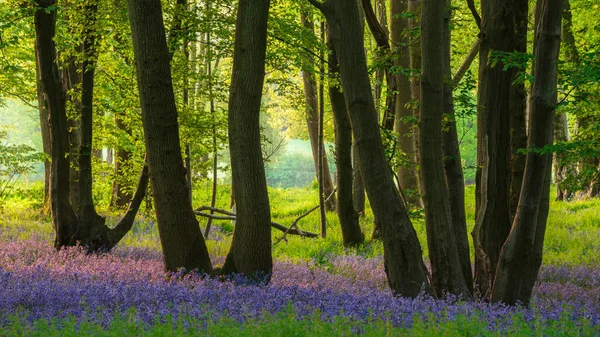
(572,237)
(286,323)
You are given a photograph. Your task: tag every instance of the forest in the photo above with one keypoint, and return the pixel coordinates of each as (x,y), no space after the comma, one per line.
(299,167)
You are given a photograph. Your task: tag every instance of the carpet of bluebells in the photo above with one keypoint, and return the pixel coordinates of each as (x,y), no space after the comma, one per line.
(37,282)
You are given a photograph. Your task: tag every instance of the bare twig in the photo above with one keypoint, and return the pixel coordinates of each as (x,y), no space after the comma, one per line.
(232,216)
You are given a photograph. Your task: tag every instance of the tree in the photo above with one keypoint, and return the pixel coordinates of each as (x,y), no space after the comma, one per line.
(182,242)
(406,273)
(452,160)
(351,232)
(521,255)
(404,113)
(447,274)
(250,251)
(493,215)
(70,229)
(312,120)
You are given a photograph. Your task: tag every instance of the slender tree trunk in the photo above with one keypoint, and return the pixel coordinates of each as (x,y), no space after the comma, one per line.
(312,120)
(521,255)
(561,167)
(404,124)
(181,239)
(46,142)
(406,272)
(121,196)
(518,108)
(71,86)
(358,188)
(493,216)
(447,273)
(379,30)
(414,49)
(250,252)
(452,162)
(321,145)
(351,232)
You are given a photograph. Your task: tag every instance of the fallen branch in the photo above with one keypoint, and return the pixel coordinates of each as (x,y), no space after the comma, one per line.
(231,216)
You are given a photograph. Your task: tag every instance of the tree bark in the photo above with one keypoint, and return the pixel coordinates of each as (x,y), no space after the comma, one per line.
(414,49)
(379,31)
(120,196)
(447,273)
(518,108)
(250,252)
(63,216)
(351,232)
(406,272)
(358,187)
(46,141)
(522,253)
(562,169)
(312,121)
(182,243)
(86,211)
(404,114)
(493,216)
(453,164)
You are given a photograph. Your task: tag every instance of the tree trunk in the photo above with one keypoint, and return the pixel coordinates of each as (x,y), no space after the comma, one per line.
(379,30)
(63,216)
(518,108)
(86,210)
(71,80)
(46,142)
(561,167)
(312,121)
(522,253)
(250,252)
(447,273)
(414,49)
(404,123)
(351,232)
(493,217)
(120,196)
(452,163)
(358,188)
(406,272)
(181,240)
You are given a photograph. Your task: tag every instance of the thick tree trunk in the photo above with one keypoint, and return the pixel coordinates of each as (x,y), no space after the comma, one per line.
(250,252)
(404,113)
(351,232)
(86,210)
(452,163)
(493,216)
(181,240)
(406,272)
(522,253)
(414,49)
(447,273)
(312,121)
(63,216)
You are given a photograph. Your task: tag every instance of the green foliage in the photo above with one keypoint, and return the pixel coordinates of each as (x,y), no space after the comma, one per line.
(15,161)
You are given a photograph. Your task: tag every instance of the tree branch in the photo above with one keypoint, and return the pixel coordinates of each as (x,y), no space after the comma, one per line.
(476,16)
(317,4)
(466,63)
